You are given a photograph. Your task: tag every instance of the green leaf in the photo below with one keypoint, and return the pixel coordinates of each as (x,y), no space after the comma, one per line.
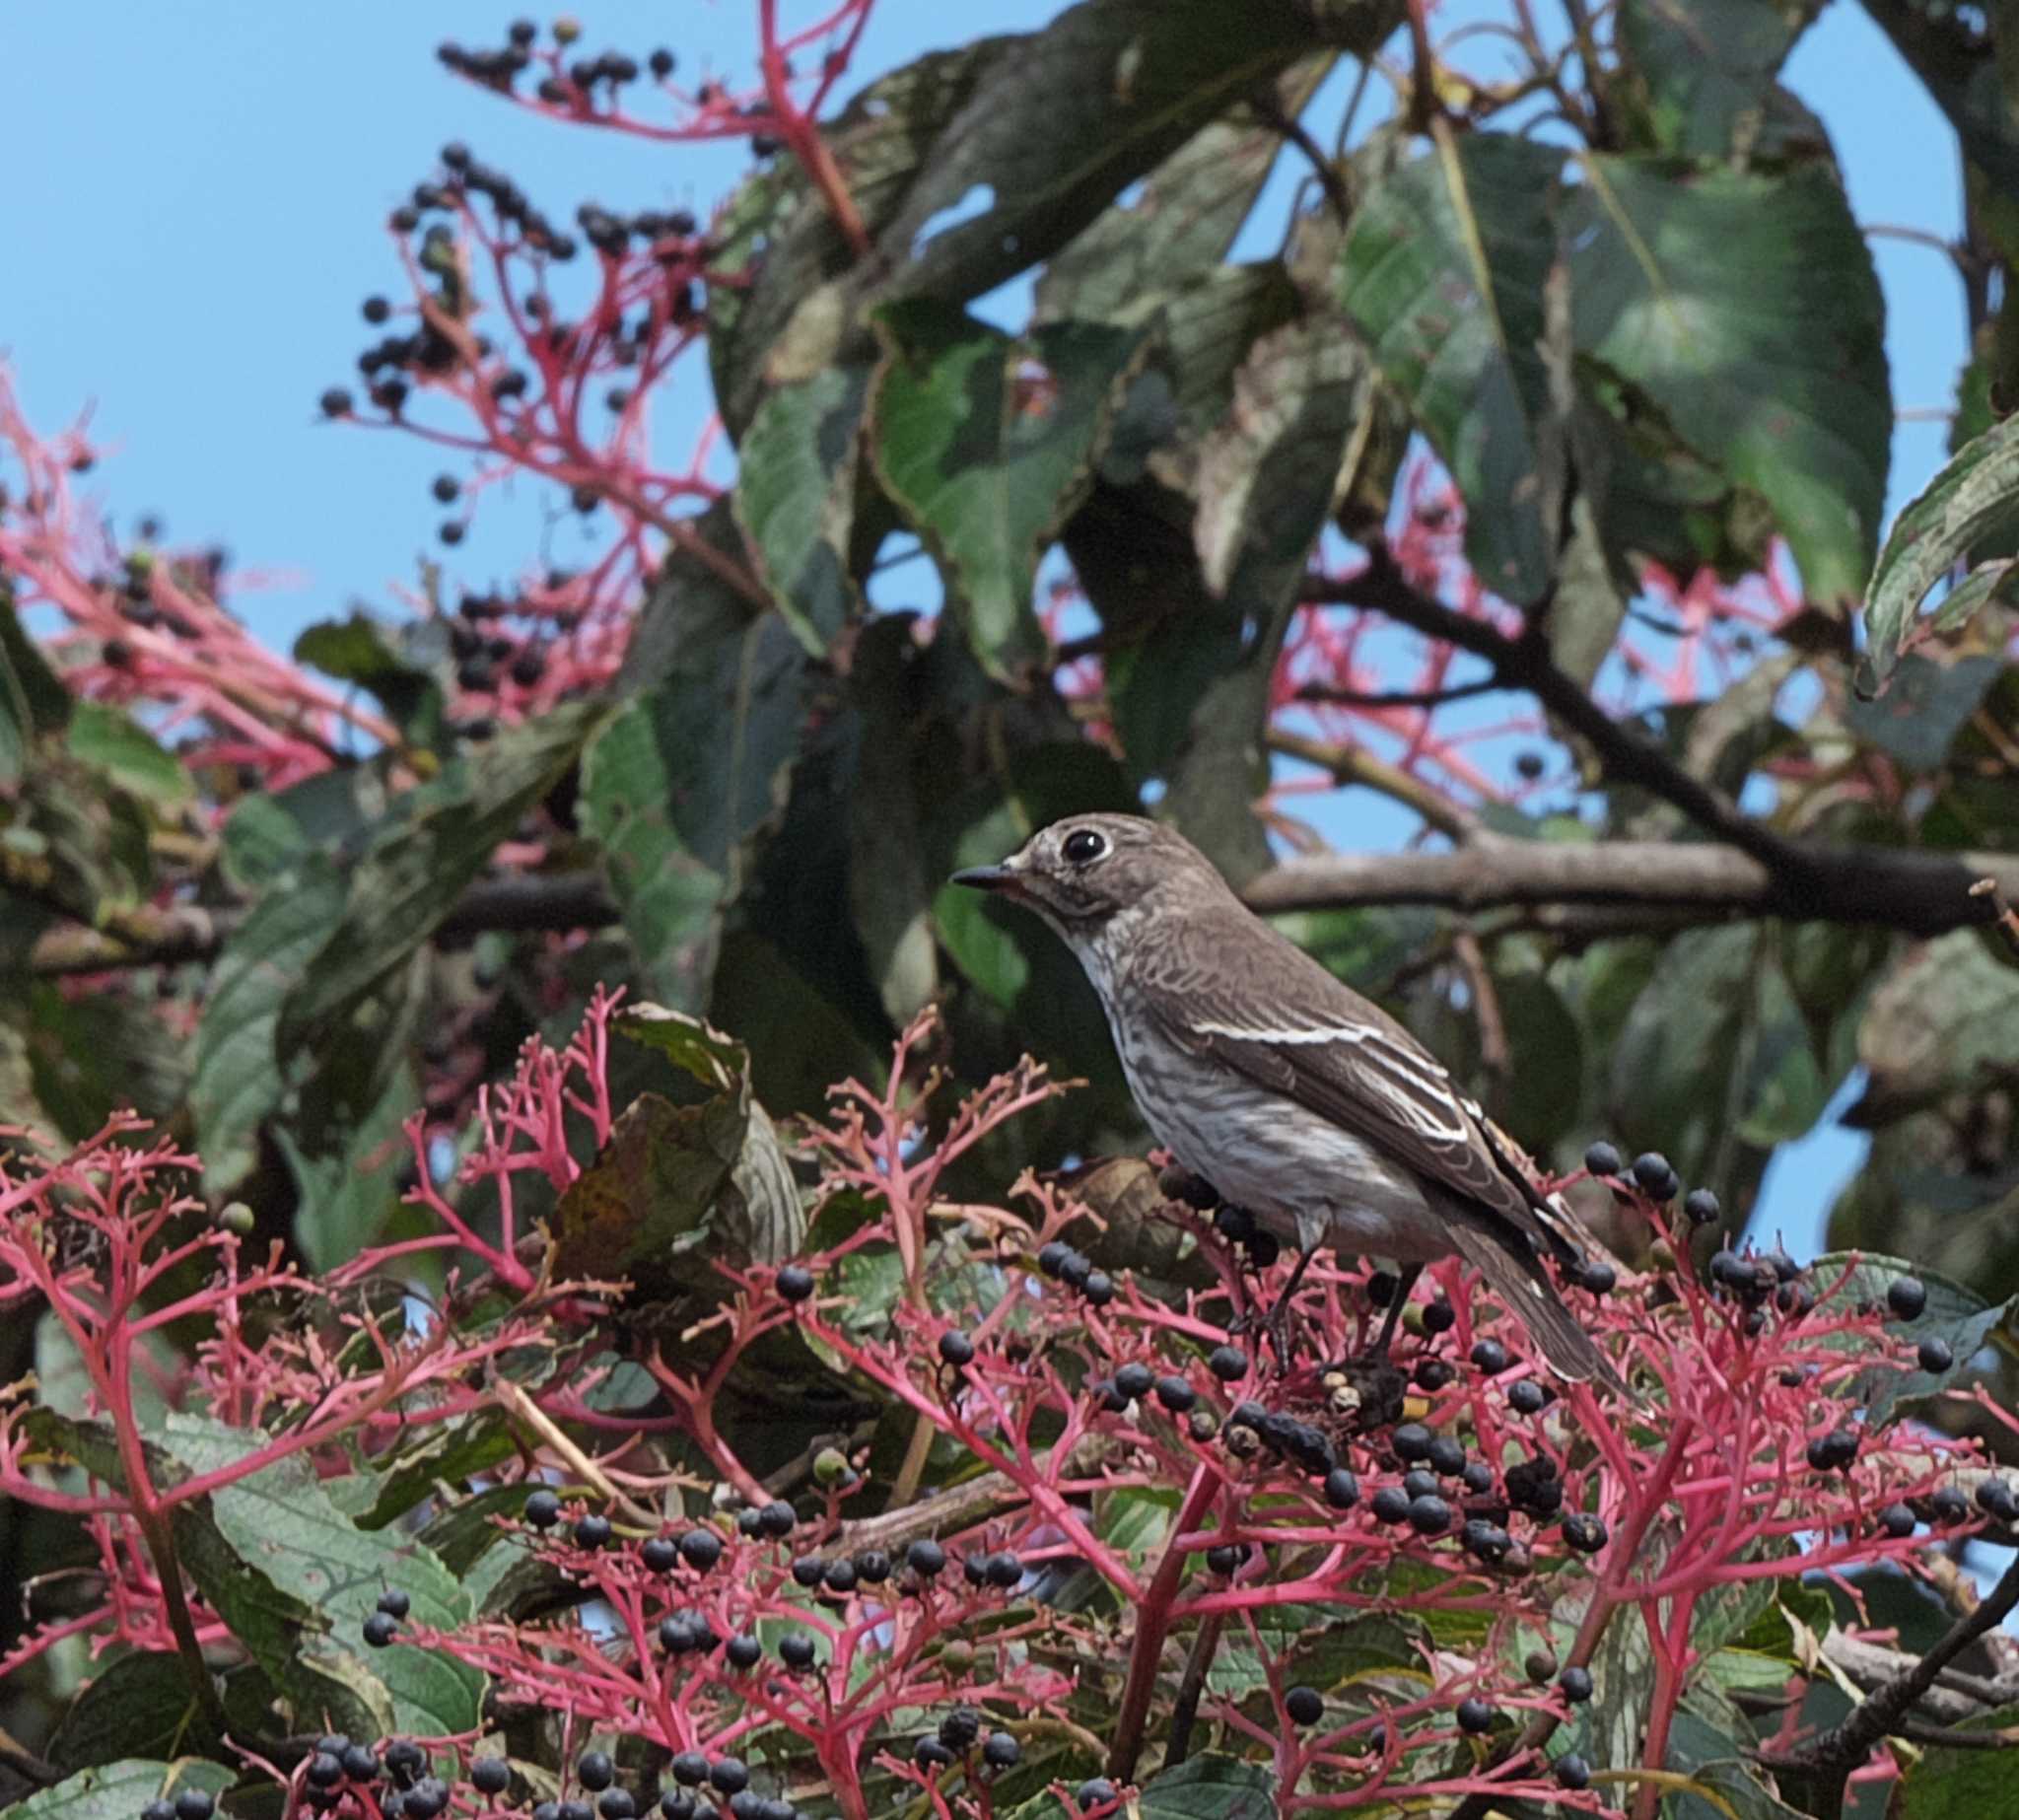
(333,811)
(779,257)
(138,1705)
(1543,1104)
(360,651)
(32,698)
(1781,378)
(281,1524)
(1958,1783)
(1974,496)
(418,860)
(1944,1019)
(1266,477)
(426,1459)
(91,1056)
(1732,1789)
(1709,68)
(1056,128)
(680,784)
(120,1791)
(1955,1314)
(796,498)
(986,443)
(238,1080)
(283,1632)
(111,742)
(1182,225)
(890,893)
(677,1186)
(461,1532)
(1718,1008)
(1209,1786)
(1192,700)
(1443,271)
(1919,718)
(349,1191)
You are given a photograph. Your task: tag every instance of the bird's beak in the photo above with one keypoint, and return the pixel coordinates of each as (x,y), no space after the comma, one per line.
(986,879)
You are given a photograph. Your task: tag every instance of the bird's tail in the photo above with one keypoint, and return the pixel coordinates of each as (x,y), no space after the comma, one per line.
(1520,1279)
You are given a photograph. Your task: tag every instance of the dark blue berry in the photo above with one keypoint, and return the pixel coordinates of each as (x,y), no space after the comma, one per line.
(700,1549)
(1908,1297)
(1134,1381)
(1586,1533)
(1227,1362)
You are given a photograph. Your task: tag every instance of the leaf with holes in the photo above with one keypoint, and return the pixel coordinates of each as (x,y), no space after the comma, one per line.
(1183,224)
(986,442)
(1070,115)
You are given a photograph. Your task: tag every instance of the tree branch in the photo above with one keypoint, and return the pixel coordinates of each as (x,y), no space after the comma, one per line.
(1919,892)
(1663,883)
(1830,1758)
(1525,663)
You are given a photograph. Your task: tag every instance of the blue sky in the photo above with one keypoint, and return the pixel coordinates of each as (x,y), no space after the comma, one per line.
(193,212)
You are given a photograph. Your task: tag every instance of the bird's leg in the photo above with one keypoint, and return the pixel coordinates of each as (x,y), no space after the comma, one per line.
(1276,1322)
(1405,1280)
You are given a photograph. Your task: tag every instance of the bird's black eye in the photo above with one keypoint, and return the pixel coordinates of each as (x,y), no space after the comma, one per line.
(1083,847)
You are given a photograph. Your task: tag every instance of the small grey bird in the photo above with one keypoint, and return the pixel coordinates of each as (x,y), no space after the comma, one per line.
(1296,1098)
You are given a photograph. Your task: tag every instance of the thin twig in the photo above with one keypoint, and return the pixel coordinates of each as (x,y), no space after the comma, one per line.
(1832,1756)
(1333,697)
(1185,1710)
(1291,129)
(1354,764)
(2007,917)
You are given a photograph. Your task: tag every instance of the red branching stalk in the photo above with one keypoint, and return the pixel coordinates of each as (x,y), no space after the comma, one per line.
(1723,1495)
(150,628)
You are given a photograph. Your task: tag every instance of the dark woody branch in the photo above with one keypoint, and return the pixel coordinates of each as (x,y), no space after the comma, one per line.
(1525,664)
(1918,892)
(1681,883)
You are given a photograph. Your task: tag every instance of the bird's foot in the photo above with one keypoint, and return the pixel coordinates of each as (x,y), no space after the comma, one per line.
(1367,1392)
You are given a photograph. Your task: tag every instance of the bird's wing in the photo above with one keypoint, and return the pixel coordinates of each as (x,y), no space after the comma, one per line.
(1290,1025)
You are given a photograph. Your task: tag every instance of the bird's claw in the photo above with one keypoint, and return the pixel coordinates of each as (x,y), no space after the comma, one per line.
(1368,1392)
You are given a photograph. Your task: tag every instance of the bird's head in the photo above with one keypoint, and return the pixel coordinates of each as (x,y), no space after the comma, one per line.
(1085,873)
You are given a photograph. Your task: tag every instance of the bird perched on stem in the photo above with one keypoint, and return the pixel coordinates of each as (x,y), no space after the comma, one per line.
(1296,1098)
